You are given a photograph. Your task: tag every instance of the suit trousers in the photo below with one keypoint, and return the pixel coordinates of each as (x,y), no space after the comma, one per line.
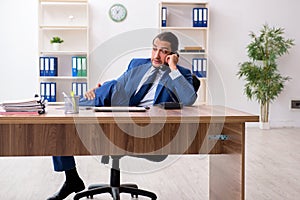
(63,163)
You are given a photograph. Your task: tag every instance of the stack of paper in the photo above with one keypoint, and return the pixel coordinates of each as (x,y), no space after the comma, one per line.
(25,105)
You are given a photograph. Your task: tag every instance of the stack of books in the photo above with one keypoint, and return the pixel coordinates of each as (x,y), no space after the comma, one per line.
(29,106)
(192,49)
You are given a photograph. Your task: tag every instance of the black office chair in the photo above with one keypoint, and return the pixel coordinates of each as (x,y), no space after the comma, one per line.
(196,82)
(115,188)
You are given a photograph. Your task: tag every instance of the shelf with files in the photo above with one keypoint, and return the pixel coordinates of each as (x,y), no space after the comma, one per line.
(183,28)
(65,78)
(198,64)
(69,20)
(183,14)
(63,85)
(189,21)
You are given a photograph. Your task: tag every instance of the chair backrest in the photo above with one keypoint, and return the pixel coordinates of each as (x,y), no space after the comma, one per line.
(196,82)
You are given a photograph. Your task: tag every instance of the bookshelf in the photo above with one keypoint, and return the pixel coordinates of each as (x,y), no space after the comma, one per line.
(180,18)
(69,20)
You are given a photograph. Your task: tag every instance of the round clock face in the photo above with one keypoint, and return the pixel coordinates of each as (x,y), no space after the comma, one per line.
(117,12)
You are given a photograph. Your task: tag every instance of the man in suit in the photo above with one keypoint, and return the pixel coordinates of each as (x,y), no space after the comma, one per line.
(146,82)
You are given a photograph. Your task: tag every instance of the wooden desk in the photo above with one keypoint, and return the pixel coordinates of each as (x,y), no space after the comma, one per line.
(214,130)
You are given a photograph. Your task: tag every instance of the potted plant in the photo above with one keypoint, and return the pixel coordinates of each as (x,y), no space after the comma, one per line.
(263,81)
(56,42)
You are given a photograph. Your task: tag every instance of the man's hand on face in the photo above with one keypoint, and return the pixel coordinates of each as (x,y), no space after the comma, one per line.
(172,61)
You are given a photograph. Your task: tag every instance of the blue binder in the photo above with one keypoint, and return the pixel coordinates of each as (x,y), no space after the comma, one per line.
(199,66)
(200,17)
(53,66)
(79,88)
(48,91)
(74,88)
(45,91)
(204,17)
(195,66)
(84,88)
(195,17)
(42,66)
(196,62)
(47,67)
(74,66)
(200,74)
(164,16)
(203,67)
(42,91)
(52,92)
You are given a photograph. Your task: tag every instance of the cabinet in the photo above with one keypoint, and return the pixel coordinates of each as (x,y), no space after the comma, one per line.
(69,20)
(189,21)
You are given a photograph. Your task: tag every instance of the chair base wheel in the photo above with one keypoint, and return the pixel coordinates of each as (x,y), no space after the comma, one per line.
(115,191)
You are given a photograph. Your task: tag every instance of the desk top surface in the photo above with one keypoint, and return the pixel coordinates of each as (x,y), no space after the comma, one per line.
(192,114)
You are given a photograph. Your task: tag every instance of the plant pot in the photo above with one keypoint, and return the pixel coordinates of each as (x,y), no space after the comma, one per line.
(264,125)
(56,46)
(264,116)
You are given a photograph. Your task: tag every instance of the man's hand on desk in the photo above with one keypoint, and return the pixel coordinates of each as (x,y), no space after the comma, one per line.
(91,93)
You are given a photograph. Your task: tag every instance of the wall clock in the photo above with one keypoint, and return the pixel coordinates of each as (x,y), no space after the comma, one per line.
(117,12)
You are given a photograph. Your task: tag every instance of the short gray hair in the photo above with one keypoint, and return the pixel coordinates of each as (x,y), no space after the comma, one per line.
(168,37)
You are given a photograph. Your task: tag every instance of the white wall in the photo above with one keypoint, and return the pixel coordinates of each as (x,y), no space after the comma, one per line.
(18,49)
(113,44)
(230,23)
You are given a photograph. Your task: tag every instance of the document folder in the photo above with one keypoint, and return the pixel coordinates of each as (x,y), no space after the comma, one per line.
(204,67)
(47,67)
(74,66)
(200,17)
(84,66)
(205,16)
(53,66)
(164,17)
(42,66)
(195,17)
(79,66)
(53,92)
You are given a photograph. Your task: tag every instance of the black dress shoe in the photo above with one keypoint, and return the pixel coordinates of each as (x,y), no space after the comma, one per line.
(67,189)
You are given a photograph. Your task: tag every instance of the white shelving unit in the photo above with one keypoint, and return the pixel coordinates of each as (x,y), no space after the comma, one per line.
(180,21)
(68,19)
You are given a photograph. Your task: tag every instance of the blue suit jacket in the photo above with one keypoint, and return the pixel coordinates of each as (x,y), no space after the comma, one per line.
(118,92)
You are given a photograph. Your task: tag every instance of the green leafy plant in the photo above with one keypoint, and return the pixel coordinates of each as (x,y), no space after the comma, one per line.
(263,81)
(56,39)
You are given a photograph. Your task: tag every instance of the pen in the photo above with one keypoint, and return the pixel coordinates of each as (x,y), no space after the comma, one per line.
(65,95)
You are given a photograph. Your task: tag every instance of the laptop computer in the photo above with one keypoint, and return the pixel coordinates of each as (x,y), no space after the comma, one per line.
(119,109)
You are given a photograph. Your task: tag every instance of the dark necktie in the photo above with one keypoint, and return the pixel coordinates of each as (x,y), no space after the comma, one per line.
(138,96)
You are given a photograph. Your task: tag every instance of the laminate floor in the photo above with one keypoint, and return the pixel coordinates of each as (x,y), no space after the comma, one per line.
(272,172)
